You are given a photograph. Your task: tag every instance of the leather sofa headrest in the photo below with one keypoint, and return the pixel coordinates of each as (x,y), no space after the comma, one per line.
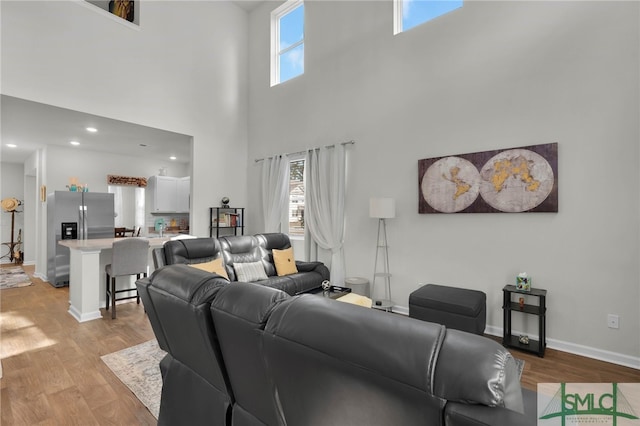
(243,249)
(195,250)
(275,240)
(191,285)
(251,302)
(487,372)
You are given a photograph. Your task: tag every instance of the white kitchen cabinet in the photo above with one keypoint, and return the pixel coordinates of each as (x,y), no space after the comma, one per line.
(183,195)
(167,194)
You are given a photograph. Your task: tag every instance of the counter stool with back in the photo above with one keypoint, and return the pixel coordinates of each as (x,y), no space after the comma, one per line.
(129,257)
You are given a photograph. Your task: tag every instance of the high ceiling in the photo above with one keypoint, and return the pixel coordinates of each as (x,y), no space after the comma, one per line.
(248,5)
(32,125)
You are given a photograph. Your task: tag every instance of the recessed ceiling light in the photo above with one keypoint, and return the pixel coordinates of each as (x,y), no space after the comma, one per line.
(12,145)
(92,129)
(74,142)
(173,157)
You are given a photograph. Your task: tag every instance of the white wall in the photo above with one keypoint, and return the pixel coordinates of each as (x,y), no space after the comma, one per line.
(488,76)
(184,70)
(92,168)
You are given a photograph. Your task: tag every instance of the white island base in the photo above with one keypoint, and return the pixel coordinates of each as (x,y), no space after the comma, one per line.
(86,274)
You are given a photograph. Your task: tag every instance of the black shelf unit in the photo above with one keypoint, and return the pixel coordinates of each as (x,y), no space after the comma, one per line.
(214,221)
(508,340)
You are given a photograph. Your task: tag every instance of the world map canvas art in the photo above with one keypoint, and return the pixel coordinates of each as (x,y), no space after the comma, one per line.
(512,180)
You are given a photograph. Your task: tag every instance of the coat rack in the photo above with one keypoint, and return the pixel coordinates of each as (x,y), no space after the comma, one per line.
(15,254)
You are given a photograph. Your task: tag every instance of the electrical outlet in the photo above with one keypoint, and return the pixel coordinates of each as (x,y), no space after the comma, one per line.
(613,321)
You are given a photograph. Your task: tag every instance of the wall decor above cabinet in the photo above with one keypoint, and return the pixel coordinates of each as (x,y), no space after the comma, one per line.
(166,194)
(140,182)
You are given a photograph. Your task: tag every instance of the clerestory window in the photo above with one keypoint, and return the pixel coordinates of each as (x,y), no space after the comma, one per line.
(287,41)
(410,13)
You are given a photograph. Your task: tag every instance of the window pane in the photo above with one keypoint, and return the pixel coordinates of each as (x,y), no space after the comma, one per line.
(416,12)
(296,198)
(292,63)
(292,27)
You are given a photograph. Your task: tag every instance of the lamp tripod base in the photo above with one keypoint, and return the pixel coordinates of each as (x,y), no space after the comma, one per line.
(383,305)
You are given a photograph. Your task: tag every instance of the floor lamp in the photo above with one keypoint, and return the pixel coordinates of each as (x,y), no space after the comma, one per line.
(382,209)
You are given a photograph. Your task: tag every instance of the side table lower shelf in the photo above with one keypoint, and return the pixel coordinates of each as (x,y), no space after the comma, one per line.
(533,346)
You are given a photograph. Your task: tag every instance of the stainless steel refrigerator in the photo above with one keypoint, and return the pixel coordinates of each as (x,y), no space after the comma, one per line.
(74,215)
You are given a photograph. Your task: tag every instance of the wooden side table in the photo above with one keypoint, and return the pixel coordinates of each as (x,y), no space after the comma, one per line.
(509,306)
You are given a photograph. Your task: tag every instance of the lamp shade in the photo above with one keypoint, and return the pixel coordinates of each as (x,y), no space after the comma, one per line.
(382,208)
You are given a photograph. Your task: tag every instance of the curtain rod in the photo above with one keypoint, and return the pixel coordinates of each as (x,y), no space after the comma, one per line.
(351,142)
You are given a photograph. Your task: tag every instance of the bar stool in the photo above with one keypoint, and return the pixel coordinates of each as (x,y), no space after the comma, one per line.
(129,257)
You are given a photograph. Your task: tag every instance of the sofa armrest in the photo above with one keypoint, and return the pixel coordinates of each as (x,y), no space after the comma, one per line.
(461,414)
(158,257)
(485,372)
(318,267)
(143,290)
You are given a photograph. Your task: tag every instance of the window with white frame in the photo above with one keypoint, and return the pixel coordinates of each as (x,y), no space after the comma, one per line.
(410,13)
(296,197)
(287,41)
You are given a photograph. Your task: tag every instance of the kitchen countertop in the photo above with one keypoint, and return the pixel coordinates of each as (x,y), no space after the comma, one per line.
(107,243)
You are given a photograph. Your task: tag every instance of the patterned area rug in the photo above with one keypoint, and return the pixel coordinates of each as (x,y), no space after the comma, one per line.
(138,368)
(12,277)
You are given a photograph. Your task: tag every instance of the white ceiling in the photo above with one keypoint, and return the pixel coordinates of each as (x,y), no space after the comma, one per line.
(248,5)
(32,125)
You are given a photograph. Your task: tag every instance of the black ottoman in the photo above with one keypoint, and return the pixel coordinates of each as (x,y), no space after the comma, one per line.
(452,307)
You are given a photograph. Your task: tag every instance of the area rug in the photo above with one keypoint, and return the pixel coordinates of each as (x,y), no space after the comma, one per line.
(138,368)
(12,277)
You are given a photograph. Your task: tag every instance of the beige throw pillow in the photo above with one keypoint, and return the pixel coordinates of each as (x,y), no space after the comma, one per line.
(215,267)
(285,262)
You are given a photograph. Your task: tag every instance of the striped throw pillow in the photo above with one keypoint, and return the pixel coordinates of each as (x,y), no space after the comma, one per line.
(250,271)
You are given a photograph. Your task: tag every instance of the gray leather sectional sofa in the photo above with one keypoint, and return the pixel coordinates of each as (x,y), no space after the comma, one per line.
(244,249)
(244,354)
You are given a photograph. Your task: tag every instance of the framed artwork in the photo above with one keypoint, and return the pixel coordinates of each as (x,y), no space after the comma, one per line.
(140,182)
(511,180)
(122,8)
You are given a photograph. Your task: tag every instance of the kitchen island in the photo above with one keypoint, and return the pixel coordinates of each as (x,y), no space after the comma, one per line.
(88,259)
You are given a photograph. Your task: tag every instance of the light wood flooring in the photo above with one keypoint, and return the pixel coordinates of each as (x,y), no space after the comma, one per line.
(52,371)
(53,374)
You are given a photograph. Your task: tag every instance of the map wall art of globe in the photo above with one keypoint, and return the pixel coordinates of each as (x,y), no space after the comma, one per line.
(516,180)
(451,184)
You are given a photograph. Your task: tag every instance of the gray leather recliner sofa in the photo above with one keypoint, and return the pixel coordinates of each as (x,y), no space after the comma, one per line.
(243,249)
(243,354)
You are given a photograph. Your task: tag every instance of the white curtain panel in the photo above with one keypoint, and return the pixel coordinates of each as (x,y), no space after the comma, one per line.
(275,191)
(325,170)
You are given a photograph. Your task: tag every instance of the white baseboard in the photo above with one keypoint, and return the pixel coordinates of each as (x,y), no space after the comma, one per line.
(577,349)
(40,276)
(573,348)
(402,310)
